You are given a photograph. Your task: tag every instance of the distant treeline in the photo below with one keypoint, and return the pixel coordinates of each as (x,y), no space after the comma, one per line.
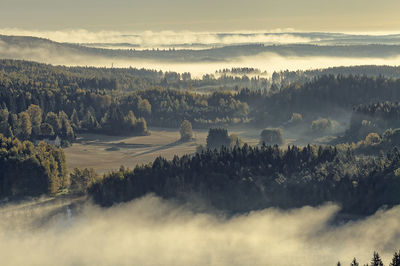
(377,261)
(250,178)
(122,79)
(87,93)
(92,108)
(206,55)
(374,118)
(323,96)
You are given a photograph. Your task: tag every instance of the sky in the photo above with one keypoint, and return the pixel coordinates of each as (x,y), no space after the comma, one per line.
(204,15)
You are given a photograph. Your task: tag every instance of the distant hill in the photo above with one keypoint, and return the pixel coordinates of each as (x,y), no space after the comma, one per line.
(39,49)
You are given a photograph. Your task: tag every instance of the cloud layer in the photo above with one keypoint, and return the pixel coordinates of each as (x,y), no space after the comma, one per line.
(151,231)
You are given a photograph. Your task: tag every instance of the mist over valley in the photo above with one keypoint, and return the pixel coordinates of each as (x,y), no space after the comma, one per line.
(188,133)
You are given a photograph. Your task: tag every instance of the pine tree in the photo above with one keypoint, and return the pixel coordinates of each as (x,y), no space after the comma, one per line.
(376,260)
(396,259)
(354,262)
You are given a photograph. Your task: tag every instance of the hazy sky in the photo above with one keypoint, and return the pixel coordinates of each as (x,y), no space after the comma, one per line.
(201,15)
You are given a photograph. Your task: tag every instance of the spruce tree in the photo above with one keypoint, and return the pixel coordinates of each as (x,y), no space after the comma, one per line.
(396,259)
(376,260)
(354,262)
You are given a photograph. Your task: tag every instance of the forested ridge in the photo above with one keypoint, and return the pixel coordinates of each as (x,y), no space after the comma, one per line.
(323,96)
(206,55)
(250,178)
(94,92)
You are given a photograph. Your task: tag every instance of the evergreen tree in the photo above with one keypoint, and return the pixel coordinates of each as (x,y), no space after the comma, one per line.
(396,259)
(376,260)
(218,137)
(354,262)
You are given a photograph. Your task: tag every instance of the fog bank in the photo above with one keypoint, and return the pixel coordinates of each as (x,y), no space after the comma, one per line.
(202,39)
(151,231)
(267,61)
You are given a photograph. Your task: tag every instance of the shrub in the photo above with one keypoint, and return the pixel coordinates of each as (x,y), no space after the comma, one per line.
(322,125)
(272,136)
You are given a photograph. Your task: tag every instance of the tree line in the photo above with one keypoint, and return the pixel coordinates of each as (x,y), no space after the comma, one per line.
(242,179)
(373,118)
(377,261)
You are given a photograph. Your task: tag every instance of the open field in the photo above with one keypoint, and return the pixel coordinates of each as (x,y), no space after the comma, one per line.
(106,153)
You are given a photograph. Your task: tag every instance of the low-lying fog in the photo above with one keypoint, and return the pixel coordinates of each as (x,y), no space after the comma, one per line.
(152,231)
(203,39)
(269,62)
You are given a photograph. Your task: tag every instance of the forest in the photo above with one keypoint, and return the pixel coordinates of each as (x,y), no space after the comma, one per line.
(247,178)
(91,96)
(29,170)
(41,101)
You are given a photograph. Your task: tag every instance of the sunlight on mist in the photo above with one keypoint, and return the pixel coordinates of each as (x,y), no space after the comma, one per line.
(151,39)
(269,62)
(151,231)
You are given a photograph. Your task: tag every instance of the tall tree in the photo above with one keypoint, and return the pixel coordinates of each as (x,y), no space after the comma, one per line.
(25,125)
(396,259)
(75,123)
(354,262)
(35,114)
(4,120)
(186,130)
(54,121)
(376,260)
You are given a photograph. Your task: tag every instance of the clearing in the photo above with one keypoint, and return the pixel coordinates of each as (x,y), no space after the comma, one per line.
(106,153)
